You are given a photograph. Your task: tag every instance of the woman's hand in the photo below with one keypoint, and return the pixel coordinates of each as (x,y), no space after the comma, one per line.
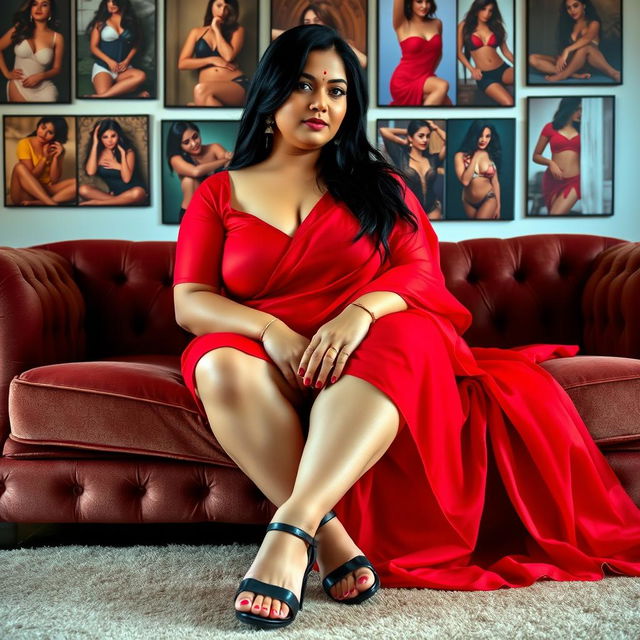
(556,171)
(285,347)
(476,73)
(110,163)
(94,136)
(122,66)
(56,149)
(113,65)
(561,62)
(32,81)
(332,345)
(16,74)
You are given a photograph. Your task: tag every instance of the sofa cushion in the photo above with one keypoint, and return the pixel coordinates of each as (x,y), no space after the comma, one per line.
(606,393)
(135,404)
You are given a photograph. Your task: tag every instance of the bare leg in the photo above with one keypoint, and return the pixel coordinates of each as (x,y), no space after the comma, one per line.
(469,209)
(487,210)
(127,82)
(218,94)
(434,91)
(563,204)
(135,195)
(507,76)
(87,192)
(352,424)
(577,62)
(546,64)
(189,186)
(14,94)
(23,182)
(597,60)
(64,190)
(499,94)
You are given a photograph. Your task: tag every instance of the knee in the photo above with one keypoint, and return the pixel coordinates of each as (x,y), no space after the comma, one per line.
(534,58)
(84,191)
(443,85)
(140,76)
(138,193)
(221,376)
(200,92)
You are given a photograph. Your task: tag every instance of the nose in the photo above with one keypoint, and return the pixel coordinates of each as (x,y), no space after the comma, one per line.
(318,102)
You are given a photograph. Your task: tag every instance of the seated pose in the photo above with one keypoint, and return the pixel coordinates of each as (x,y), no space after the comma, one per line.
(112,157)
(115,39)
(414,81)
(212,49)
(191,160)
(561,180)
(578,37)
(329,361)
(423,170)
(479,36)
(35,179)
(321,12)
(476,165)
(38,46)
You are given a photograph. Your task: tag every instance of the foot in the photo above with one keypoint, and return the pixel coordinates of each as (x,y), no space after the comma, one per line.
(616,76)
(554,77)
(335,547)
(581,76)
(144,94)
(281,561)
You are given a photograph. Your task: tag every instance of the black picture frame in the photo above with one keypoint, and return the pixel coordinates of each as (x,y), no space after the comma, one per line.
(544,38)
(144,61)
(175,191)
(136,128)
(181,18)
(61,82)
(542,190)
(16,129)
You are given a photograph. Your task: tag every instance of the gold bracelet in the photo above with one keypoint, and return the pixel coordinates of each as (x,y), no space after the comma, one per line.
(266,326)
(357,304)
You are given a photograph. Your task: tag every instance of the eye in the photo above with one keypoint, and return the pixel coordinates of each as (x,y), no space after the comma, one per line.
(337,92)
(304,85)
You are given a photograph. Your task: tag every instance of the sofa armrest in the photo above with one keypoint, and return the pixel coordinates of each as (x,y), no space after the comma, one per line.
(41,316)
(611,303)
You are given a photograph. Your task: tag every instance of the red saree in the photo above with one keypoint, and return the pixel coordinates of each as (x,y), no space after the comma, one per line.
(488,437)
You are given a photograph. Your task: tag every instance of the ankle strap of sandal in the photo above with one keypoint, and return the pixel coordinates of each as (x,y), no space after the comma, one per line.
(330,515)
(295,531)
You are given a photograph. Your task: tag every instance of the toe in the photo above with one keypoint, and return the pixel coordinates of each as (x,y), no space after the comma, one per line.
(244,600)
(364,579)
(284,611)
(275,609)
(344,587)
(266,607)
(256,608)
(351,586)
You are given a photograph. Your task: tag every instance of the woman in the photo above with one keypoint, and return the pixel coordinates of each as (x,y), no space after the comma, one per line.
(561,180)
(36,178)
(327,359)
(38,46)
(479,36)
(113,158)
(211,49)
(423,170)
(115,37)
(191,160)
(476,165)
(578,38)
(321,12)
(414,81)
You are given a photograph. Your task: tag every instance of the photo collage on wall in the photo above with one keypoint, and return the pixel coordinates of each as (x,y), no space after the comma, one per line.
(435,53)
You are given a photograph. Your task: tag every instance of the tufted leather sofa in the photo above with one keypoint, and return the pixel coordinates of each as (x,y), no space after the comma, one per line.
(97,426)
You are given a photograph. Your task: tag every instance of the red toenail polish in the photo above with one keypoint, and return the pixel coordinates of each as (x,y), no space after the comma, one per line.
(257,607)
(345,594)
(244,602)
(362,580)
(265,608)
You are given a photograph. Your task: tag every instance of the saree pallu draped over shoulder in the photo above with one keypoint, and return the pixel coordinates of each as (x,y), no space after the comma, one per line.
(493,479)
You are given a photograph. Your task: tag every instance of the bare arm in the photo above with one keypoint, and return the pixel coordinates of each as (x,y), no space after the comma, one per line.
(184,168)
(276,33)
(537,152)
(506,52)
(127,164)
(5,42)
(229,50)
(443,135)
(592,33)
(94,47)
(91,166)
(362,58)
(394,134)
(398,14)
(465,174)
(495,184)
(461,57)
(186,60)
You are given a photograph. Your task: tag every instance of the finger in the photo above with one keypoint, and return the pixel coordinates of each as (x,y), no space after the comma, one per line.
(340,363)
(315,362)
(328,361)
(306,356)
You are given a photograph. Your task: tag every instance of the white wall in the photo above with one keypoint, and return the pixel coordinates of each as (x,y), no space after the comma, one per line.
(32,226)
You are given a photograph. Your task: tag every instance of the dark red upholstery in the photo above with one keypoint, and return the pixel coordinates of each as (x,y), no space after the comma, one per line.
(103,429)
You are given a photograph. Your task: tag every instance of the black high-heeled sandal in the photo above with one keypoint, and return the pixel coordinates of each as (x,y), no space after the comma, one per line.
(345,569)
(278,593)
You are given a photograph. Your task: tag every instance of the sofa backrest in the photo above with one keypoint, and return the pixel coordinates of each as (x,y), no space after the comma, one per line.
(520,290)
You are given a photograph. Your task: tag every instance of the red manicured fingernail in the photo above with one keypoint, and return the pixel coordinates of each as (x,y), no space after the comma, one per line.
(333,379)
(301,371)
(244,602)
(362,579)
(319,384)
(307,382)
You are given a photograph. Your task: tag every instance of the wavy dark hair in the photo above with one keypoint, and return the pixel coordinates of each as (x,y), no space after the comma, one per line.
(408,9)
(230,23)
(123,140)
(322,9)
(566,23)
(24,27)
(566,108)
(495,24)
(174,141)
(60,128)
(354,172)
(470,143)
(129,19)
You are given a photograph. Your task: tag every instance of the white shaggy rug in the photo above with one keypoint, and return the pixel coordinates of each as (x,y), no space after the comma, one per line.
(185,592)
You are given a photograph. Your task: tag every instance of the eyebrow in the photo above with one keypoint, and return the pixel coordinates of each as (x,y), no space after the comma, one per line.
(311,77)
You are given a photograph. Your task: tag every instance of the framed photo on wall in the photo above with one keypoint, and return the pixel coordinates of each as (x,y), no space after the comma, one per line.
(40,159)
(198,72)
(116,50)
(577,42)
(480,167)
(570,156)
(191,152)
(36,52)
(347,17)
(418,148)
(485,40)
(113,161)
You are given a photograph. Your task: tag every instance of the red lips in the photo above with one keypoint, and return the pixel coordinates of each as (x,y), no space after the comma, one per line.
(316,121)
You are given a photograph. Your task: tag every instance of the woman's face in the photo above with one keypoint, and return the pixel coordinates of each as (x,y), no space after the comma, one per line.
(484,15)
(112,7)
(311,17)
(40,10)
(420,139)
(46,131)
(576,115)
(109,139)
(191,142)
(575,9)
(312,114)
(421,8)
(219,9)
(485,138)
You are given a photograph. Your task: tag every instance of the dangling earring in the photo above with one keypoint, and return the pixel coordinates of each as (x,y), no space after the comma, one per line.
(269,128)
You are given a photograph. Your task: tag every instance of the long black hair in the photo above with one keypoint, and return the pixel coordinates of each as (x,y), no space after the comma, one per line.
(25,27)
(408,9)
(174,141)
(230,23)
(562,116)
(470,143)
(60,128)
(495,24)
(123,139)
(566,23)
(354,172)
(128,20)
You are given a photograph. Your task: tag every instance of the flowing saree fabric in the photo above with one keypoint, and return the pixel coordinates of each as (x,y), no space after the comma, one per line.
(493,479)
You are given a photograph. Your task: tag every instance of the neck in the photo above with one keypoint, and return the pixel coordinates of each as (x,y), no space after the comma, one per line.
(300,163)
